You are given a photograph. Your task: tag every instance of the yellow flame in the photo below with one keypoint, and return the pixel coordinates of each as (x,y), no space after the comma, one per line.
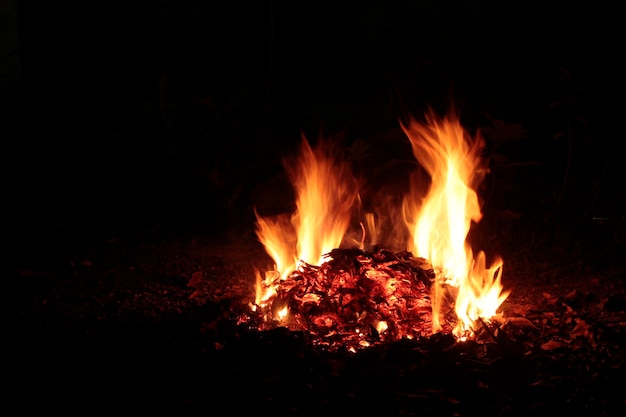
(480,295)
(440,221)
(326,192)
(265,288)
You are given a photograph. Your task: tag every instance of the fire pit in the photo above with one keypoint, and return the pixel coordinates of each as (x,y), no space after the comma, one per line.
(351,293)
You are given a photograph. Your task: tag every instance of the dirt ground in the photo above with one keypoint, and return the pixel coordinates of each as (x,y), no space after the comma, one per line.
(111,322)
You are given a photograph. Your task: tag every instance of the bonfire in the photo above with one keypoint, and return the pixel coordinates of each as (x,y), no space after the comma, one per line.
(354,293)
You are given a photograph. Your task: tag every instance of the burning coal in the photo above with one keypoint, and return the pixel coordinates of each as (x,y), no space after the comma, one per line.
(355,294)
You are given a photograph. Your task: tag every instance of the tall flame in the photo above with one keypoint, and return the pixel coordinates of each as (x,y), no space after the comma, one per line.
(326,192)
(440,221)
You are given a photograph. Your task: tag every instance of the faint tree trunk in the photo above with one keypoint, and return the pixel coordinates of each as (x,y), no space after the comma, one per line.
(270,60)
(9,47)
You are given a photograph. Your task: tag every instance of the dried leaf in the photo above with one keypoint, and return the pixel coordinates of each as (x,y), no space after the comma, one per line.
(552,344)
(196,279)
(549,314)
(521,323)
(550,298)
(581,329)
(521,310)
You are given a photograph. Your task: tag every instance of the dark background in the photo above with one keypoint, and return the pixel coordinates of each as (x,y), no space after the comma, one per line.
(130,114)
(138,135)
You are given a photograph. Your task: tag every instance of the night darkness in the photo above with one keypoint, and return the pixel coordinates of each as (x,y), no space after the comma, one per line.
(158,111)
(146,122)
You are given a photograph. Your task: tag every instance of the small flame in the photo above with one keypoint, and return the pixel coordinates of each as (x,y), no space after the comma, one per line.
(439,222)
(326,192)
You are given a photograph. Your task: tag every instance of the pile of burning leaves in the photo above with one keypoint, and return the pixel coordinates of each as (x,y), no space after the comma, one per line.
(356,299)
(352,298)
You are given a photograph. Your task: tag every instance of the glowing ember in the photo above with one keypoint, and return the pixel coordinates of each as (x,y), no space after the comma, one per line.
(355,297)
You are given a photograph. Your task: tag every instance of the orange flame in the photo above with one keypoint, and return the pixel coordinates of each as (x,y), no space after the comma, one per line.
(326,192)
(439,223)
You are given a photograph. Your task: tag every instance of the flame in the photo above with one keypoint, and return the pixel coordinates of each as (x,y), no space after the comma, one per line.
(440,221)
(326,192)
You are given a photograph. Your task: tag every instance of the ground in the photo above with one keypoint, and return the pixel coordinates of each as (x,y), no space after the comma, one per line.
(136,138)
(116,322)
